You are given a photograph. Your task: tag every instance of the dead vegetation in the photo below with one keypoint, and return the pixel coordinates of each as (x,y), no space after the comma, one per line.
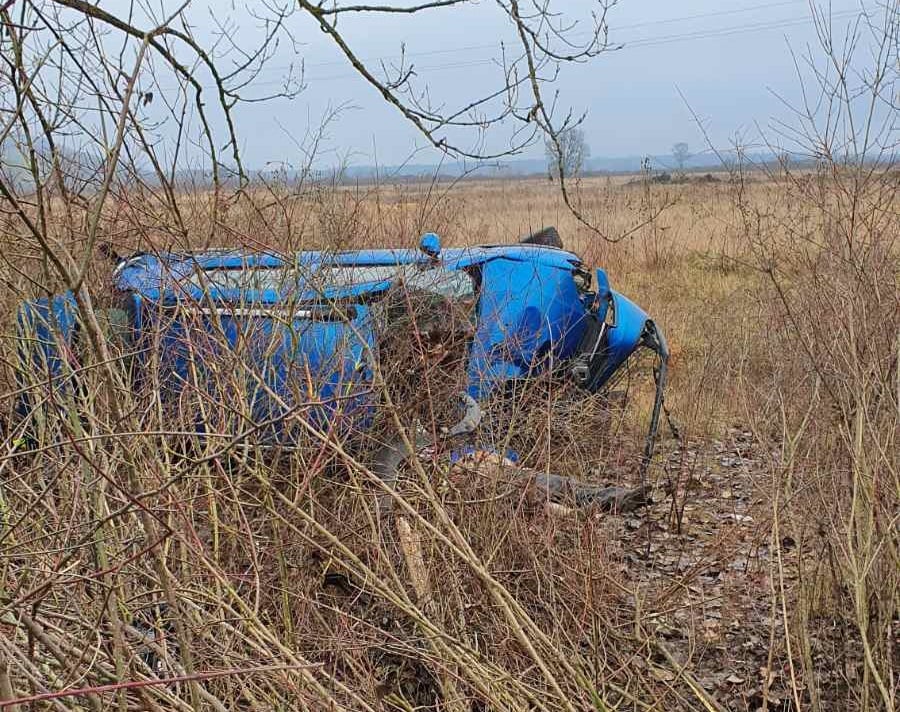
(145,568)
(765,574)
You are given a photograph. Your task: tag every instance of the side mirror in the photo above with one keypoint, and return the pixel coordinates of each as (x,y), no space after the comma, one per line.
(430,244)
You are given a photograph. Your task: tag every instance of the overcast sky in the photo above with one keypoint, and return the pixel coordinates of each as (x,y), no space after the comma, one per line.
(729,58)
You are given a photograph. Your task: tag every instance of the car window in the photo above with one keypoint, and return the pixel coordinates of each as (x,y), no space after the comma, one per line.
(452,284)
(256,279)
(439,281)
(340,276)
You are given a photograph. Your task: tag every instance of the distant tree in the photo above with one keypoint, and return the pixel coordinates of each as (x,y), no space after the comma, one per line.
(569,151)
(681,152)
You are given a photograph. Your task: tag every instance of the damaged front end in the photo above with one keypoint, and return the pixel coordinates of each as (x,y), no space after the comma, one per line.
(616,328)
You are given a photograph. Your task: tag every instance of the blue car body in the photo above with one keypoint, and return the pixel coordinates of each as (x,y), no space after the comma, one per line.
(536,307)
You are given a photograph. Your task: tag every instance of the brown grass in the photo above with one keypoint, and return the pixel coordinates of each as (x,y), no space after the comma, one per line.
(780,595)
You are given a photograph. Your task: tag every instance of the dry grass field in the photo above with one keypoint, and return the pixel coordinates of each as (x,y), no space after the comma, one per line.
(146,573)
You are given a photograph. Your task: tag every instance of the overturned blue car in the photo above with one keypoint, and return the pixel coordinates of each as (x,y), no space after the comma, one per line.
(293,342)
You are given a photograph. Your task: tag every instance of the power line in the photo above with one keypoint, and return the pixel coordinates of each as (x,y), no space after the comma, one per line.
(726,31)
(749,28)
(717,13)
(746,28)
(494,45)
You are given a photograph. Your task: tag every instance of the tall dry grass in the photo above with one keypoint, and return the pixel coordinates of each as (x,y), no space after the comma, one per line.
(143,567)
(132,553)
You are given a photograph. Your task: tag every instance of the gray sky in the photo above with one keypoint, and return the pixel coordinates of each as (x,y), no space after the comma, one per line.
(729,59)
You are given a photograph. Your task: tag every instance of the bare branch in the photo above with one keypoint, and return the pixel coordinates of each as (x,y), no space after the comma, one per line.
(392,8)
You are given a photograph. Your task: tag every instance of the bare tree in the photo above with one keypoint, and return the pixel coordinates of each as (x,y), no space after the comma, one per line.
(567,155)
(681,152)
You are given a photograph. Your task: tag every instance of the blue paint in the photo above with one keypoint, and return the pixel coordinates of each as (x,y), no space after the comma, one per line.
(624,336)
(528,310)
(312,314)
(46,329)
(46,334)
(430,244)
(603,295)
